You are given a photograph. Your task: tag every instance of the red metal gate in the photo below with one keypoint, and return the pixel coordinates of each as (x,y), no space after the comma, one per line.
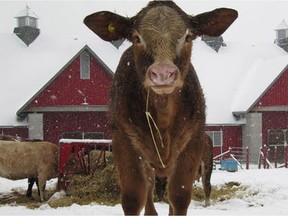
(72,153)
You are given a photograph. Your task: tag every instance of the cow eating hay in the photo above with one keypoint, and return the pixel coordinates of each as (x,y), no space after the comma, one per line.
(157,104)
(20,160)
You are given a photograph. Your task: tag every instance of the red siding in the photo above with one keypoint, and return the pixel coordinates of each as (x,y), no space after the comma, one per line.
(277,95)
(17,131)
(232,137)
(69,89)
(57,123)
(273,120)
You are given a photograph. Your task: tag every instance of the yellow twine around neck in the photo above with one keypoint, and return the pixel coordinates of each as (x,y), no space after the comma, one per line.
(149,117)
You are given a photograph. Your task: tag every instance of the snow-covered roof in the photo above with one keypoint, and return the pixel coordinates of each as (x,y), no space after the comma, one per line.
(232,79)
(282,26)
(25,70)
(236,76)
(27,12)
(258,79)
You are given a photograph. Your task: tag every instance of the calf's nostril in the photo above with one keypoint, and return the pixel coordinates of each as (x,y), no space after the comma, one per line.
(170,74)
(153,74)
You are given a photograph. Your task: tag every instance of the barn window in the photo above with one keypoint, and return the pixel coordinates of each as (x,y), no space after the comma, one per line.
(32,22)
(22,21)
(93,135)
(217,137)
(85,65)
(277,136)
(72,135)
(27,21)
(83,135)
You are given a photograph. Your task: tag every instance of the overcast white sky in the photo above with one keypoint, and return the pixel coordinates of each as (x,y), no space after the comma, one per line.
(256,23)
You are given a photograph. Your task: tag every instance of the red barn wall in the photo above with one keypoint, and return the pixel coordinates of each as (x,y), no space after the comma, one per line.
(68,89)
(56,123)
(273,120)
(15,131)
(232,137)
(277,95)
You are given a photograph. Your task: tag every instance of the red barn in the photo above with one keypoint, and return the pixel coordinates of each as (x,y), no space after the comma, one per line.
(73,104)
(58,86)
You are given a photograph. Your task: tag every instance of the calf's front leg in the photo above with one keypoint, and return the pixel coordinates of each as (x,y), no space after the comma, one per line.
(132,178)
(181,181)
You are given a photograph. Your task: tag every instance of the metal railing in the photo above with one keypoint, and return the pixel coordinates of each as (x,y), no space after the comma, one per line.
(273,153)
(238,154)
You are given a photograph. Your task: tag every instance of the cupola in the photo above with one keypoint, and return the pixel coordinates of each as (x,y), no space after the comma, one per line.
(27,26)
(282,35)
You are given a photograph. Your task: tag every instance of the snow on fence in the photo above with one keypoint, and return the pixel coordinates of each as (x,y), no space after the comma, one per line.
(276,153)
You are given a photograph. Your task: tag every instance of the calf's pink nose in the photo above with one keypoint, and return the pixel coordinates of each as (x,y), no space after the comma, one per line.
(162,73)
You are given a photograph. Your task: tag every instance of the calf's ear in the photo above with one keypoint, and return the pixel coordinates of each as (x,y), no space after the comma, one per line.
(108,26)
(213,23)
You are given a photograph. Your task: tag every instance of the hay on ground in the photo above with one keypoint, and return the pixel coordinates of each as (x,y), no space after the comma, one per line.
(102,188)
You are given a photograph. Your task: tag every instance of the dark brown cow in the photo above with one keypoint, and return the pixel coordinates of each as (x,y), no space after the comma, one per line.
(157,104)
(206,168)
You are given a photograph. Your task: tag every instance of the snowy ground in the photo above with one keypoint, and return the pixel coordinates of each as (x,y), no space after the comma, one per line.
(265,193)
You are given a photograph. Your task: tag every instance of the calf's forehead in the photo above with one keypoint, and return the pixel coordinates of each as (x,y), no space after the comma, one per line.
(162,21)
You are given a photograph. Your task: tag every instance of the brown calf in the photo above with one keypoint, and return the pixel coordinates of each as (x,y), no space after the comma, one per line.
(205,171)
(20,160)
(157,104)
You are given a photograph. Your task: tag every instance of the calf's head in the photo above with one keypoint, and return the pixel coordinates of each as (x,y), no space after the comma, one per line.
(162,35)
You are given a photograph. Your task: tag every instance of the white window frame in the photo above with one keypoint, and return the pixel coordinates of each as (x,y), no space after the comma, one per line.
(214,135)
(85,66)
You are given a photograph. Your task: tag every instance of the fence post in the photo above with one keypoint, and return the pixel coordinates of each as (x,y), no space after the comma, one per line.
(230,150)
(268,158)
(286,154)
(260,158)
(265,157)
(247,158)
(276,156)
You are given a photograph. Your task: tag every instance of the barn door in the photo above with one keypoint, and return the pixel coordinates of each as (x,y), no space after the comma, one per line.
(277,138)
